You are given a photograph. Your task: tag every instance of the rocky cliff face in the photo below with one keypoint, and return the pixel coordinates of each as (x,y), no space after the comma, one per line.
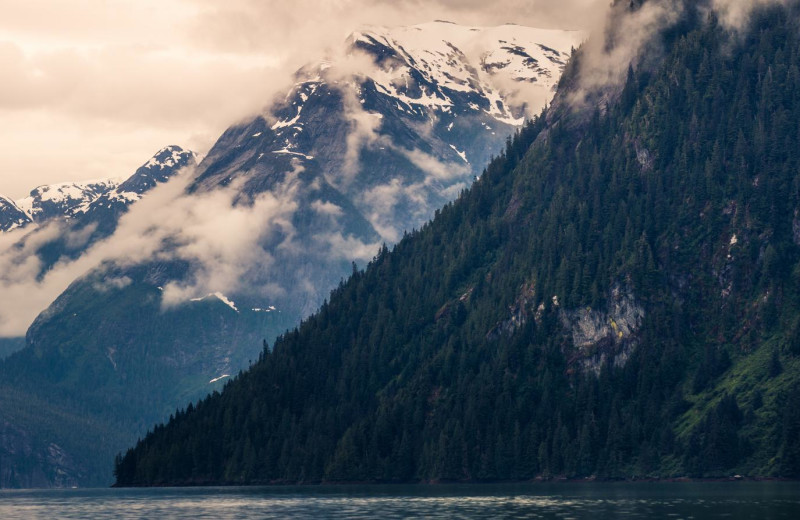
(602,335)
(595,336)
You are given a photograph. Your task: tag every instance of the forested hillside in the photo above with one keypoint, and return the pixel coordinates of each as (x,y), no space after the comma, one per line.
(617,296)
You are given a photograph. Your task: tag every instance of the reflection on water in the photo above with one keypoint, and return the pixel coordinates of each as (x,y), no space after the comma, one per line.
(740,500)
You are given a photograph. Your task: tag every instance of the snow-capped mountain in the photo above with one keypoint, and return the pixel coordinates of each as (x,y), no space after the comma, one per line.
(363,146)
(160,168)
(11,216)
(402,120)
(384,133)
(428,65)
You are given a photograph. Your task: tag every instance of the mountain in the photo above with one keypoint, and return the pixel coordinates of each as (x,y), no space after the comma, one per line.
(616,297)
(11,216)
(361,148)
(401,123)
(39,449)
(98,219)
(378,150)
(72,200)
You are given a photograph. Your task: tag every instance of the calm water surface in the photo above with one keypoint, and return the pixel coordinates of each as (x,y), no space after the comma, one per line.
(734,500)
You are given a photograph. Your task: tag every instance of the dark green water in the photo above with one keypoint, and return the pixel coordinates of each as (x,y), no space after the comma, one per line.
(734,500)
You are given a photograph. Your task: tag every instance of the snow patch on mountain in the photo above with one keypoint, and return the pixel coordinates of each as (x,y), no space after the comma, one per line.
(221,297)
(168,157)
(461,154)
(424,65)
(64,199)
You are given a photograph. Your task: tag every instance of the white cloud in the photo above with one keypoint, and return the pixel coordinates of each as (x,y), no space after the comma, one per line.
(229,245)
(437,171)
(110,284)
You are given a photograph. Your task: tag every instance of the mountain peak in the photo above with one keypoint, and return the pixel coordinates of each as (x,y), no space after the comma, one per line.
(426,64)
(159,168)
(169,157)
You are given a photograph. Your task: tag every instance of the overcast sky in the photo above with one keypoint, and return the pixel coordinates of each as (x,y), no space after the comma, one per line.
(92,88)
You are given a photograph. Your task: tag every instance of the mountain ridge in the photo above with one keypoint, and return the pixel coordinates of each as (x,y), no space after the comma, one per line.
(71,200)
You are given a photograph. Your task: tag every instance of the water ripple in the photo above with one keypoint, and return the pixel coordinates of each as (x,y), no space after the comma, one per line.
(682,501)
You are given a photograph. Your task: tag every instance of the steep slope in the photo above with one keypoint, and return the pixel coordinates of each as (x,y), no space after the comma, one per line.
(616,297)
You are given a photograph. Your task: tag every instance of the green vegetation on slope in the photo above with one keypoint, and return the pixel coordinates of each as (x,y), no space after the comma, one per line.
(617,296)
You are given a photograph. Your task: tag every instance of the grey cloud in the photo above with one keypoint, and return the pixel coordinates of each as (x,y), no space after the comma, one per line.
(627,34)
(111,284)
(735,13)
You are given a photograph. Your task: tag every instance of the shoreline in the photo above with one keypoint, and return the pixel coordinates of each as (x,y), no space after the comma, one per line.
(467,483)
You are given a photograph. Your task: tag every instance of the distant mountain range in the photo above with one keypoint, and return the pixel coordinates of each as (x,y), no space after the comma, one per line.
(363,147)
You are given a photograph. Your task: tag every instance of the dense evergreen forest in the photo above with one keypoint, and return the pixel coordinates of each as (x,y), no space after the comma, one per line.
(617,296)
